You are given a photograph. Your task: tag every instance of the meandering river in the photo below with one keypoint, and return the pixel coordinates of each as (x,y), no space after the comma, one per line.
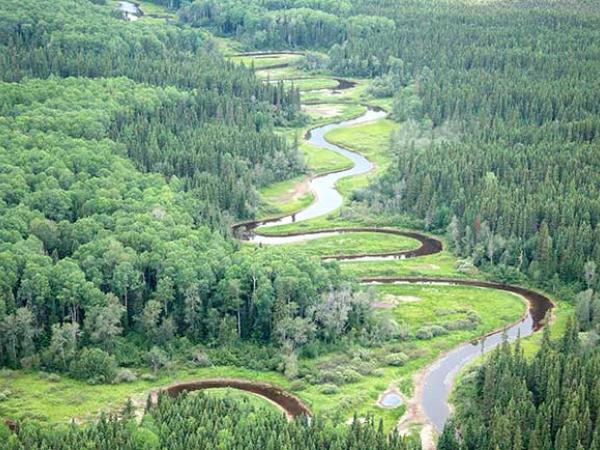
(435,386)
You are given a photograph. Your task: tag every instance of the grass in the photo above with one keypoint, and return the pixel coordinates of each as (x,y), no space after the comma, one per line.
(152,9)
(439,265)
(256,401)
(35,396)
(354,243)
(262,61)
(280,73)
(285,197)
(369,139)
(320,160)
(332,220)
(496,308)
(310,84)
(324,113)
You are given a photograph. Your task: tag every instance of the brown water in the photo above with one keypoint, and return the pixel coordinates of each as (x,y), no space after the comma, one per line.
(440,376)
(291,404)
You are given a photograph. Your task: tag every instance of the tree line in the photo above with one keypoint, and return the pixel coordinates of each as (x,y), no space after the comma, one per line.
(282,25)
(205,421)
(548,402)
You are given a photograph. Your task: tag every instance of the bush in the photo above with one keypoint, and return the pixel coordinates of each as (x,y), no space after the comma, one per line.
(53,377)
(126,376)
(351,375)
(329,389)
(94,365)
(378,373)
(331,377)
(200,359)
(297,385)
(430,331)
(157,358)
(424,333)
(148,377)
(396,359)
(4,395)
(403,331)
(309,350)
(30,362)
(438,330)
(364,368)
(128,352)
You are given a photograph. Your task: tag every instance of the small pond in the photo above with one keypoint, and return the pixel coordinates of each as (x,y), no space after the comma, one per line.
(390,400)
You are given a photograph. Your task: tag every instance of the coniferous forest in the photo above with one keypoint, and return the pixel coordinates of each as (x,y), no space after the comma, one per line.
(139,155)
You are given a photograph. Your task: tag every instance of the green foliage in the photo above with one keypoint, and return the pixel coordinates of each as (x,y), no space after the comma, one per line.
(548,402)
(206,421)
(396,359)
(524,172)
(125,151)
(263,28)
(94,366)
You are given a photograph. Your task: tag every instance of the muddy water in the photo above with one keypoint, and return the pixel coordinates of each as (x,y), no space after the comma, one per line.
(428,245)
(440,376)
(291,404)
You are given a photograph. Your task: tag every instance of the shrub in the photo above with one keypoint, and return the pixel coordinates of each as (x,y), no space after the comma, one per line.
(126,376)
(290,366)
(363,354)
(351,375)
(157,358)
(53,377)
(148,377)
(438,330)
(310,350)
(403,331)
(329,389)
(30,362)
(331,377)
(297,385)
(365,368)
(4,395)
(127,353)
(396,359)
(430,331)
(94,365)
(200,359)
(424,333)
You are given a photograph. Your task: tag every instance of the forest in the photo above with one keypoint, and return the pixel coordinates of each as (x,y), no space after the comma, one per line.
(152,172)
(221,107)
(510,100)
(206,422)
(547,402)
(117,190)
